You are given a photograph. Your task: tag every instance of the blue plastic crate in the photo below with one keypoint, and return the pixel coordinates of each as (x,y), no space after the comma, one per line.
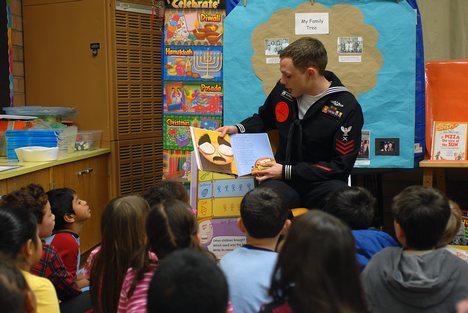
(27,138)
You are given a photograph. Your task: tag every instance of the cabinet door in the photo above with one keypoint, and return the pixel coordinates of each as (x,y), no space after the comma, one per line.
(90,179)
(3,187)
(41,177)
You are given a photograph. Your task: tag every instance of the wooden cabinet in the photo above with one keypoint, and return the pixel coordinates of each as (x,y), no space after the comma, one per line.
(116,88)
(41,177)
(89,178)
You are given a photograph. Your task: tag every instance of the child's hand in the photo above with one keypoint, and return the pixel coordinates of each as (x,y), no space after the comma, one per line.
(81,282)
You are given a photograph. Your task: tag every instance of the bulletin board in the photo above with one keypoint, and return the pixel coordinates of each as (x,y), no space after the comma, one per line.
(371,47)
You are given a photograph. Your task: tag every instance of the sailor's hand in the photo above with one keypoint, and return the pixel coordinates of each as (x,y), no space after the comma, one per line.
(227,130)
(275,171)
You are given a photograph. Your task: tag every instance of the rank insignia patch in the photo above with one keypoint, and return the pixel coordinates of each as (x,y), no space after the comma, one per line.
(344,147)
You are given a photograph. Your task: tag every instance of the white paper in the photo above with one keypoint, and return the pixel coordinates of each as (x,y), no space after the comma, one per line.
(312,23)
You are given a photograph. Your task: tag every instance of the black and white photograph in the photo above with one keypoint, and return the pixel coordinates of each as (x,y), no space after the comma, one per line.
(273,46)
(350,45)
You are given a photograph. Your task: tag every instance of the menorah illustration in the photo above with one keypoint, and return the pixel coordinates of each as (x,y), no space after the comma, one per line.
(207,61)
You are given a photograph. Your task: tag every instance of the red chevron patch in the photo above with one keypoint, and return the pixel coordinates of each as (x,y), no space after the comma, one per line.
(344,147)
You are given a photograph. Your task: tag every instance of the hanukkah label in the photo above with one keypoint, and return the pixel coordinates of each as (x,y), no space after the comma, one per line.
(193,63)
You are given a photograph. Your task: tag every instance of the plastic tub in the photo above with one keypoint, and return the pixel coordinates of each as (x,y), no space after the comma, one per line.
(88,140)
(37,154)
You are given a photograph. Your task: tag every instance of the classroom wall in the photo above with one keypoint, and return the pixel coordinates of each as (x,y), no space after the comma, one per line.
(17,53)
(445,29)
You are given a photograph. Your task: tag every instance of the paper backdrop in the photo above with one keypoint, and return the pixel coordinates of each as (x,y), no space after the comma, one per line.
(381,73)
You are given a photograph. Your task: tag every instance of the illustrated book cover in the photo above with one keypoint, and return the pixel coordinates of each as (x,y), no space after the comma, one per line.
(449,140)
(231,154)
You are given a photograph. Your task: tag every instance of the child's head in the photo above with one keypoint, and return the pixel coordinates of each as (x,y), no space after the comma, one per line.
(33,199)
(19,238)
(453,224)
(16,296)
(122,239)
(263,213)
(353,205)
(67,207)
(165,189)
(187,281)
(317,268)
(171,226)
(421,215)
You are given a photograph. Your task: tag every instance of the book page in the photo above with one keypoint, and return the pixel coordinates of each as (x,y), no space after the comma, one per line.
(248,148)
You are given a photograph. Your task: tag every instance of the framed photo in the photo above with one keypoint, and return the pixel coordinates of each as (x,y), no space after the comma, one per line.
(387,146)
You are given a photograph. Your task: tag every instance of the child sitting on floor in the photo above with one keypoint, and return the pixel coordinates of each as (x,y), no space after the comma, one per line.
(248,269)
(33,198)
(170,226)
(356,207)
(71,213)
(418,277)
(16,296)
(122,240)
(20,242)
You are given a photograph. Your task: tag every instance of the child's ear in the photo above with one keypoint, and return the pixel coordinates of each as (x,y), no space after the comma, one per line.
(69,218)
(287,224)
(241,226)
(28,248)
(399,233)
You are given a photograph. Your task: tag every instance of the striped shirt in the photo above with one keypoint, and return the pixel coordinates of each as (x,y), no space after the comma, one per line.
(137,302)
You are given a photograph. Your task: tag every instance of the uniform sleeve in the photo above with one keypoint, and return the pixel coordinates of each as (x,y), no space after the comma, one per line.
(346,144)
(264,120)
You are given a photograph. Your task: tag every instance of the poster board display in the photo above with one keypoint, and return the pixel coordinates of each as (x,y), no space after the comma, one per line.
(371,47)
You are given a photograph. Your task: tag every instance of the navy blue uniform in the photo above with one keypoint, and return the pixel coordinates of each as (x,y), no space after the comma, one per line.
(318,151)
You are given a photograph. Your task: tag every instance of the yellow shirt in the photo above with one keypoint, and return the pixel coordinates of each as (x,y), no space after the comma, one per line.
(46,297)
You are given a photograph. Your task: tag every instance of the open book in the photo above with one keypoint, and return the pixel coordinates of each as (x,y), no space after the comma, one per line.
(231,154)
(449,140)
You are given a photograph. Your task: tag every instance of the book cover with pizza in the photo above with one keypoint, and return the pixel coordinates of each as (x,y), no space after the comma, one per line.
(449,141)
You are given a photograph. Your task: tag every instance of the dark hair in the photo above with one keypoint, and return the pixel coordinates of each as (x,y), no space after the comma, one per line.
(17,227)
(61,204)
(187,280)
(306,52)
(422,214)
(263,213)
(169,226)
(13,287)
(122,239)
(353,205)
(317,269)
(165,189)
(31,198)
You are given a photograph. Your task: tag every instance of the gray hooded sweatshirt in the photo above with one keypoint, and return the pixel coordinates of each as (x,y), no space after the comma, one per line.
(398,282)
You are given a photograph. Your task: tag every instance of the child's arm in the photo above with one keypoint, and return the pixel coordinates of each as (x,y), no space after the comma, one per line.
(81,281)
